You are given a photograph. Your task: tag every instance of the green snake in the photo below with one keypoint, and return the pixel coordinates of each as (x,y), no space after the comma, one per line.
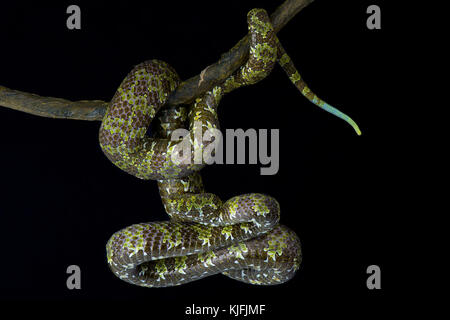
(240,238)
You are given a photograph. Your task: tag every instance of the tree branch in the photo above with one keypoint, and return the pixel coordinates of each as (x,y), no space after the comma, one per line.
(186,92)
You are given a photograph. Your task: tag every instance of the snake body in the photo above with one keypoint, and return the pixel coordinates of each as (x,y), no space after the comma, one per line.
(240,238)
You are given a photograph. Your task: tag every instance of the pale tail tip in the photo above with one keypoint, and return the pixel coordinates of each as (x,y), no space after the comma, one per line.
(343,116)
(353,124)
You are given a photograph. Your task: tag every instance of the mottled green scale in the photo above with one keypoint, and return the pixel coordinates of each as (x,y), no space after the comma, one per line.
(240,238)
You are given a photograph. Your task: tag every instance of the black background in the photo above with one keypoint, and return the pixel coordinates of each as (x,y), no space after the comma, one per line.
(61,199)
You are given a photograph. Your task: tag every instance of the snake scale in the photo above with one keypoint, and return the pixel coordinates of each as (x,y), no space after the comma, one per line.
(240,238)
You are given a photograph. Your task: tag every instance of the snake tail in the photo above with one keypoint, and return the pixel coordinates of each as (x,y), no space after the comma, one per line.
(286,63)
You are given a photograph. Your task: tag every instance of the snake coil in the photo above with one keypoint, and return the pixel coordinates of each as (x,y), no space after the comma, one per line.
(240,238)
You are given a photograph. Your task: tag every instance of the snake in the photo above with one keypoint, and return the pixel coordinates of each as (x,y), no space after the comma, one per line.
(241,238)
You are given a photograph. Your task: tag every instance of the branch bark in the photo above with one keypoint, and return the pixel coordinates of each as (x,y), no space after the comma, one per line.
(187,91)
